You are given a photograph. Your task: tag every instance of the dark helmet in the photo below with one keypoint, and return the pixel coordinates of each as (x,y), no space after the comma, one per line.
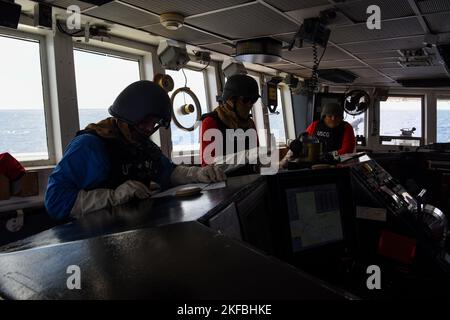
(141,99)
(240,85)
(332,109)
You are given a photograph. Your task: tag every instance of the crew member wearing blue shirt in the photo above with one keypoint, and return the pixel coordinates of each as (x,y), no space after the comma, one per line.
(113,161)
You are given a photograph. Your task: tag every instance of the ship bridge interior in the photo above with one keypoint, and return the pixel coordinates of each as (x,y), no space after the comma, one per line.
(335,185)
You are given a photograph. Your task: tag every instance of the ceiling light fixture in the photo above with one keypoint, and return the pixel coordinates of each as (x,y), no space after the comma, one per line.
(260,50)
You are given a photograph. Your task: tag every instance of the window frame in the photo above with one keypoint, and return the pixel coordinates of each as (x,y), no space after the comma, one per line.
(41,40)
(260,119)
(442,96)
(366,127)
(282,89)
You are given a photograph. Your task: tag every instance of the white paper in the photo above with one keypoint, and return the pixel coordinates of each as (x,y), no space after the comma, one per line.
(377,214)
(172,191)
(203,186)
(217,185)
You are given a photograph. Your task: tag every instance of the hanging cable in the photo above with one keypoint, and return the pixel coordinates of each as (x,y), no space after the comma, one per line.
(314,83)
(185,85)
(207,65)
(185,78)
(70,34)
(315,75)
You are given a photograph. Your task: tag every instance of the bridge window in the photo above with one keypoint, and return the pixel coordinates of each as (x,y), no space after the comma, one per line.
(401,121)
(443,120)
(100,78)
(276,122)
(23,131)
(258,115)
(186,142)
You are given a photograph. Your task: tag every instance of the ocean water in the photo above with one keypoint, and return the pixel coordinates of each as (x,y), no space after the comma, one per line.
(23,132)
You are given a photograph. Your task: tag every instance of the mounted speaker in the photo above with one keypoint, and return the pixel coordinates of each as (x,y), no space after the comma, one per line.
(9,14)
(356,102)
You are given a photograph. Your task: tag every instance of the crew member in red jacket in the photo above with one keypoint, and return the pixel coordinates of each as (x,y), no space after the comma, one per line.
(332,131)
(239,95)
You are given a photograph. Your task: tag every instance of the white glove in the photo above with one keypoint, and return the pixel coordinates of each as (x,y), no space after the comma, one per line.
(184,175)
(89,201)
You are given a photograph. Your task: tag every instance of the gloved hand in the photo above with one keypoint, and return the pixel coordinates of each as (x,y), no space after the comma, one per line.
(288,157)
(89,201)
(207,174)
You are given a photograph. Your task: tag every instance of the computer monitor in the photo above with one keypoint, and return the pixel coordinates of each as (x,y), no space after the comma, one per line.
(314,216)
(227,222)
(312,212)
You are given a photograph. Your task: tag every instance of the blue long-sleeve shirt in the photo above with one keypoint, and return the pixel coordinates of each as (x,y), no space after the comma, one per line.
(85,166)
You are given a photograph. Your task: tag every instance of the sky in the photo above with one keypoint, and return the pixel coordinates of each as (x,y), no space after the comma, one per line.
(20,75)
(99,79)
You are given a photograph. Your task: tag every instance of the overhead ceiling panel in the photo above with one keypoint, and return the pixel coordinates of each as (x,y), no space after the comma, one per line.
(302,14)
(382,60)
(348,63)
(384,45)
(186,8)
(389,29)
(306,54)
(364,72)
(123,14)
(249,21)
(289,5)
(222,48)
(432,6)
(416,72)
(382,65)
(304,72)
(373,81)
(379,55)
(439,22)
(285,37)
(357,10)
(66,3)
(444,38)
(289,67)
(185,34)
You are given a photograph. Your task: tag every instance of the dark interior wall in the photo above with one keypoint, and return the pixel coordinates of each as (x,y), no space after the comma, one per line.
(302,109)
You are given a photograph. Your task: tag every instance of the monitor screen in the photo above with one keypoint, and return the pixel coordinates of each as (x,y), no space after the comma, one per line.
(314,216)
(227,222)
